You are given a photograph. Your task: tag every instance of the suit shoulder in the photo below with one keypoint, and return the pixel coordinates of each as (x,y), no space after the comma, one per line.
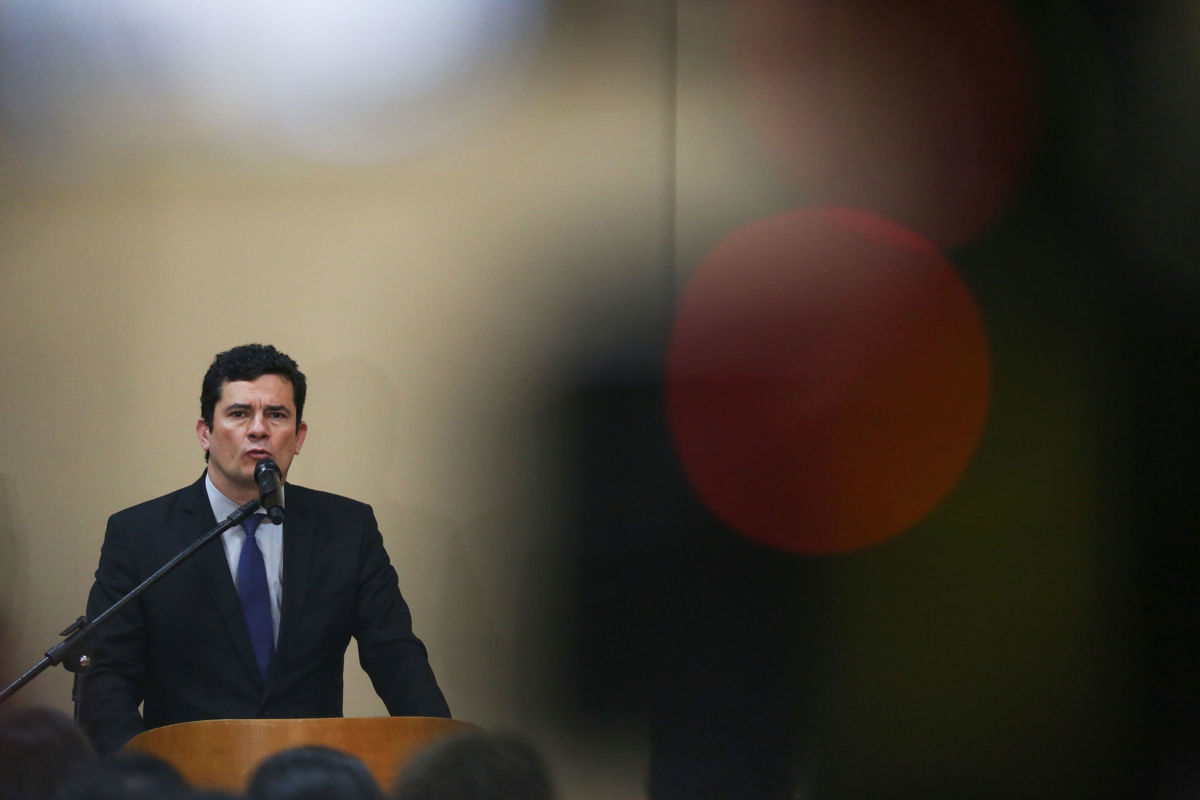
(317,499)
(161,506)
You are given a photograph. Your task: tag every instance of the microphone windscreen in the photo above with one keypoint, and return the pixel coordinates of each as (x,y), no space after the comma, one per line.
(262,467)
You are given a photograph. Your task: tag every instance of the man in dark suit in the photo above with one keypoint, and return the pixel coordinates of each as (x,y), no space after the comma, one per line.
(195,645)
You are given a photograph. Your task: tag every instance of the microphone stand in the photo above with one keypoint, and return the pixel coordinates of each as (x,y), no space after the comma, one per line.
(76,651)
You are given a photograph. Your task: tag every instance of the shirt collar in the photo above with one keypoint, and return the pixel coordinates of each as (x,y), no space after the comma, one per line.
(222,506)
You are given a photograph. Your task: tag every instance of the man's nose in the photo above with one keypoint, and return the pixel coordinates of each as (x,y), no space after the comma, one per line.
(258,425)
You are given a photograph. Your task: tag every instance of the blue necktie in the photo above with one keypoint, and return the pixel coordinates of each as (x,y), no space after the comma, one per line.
(255,597)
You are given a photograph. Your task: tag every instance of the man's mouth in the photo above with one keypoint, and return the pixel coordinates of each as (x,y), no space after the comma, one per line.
(258,454)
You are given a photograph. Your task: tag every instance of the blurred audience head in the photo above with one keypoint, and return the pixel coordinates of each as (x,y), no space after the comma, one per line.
(477,765)
(124,775)
(38,745)
(313,772)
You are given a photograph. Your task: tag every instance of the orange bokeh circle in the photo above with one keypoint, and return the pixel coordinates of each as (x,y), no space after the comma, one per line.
(827,380)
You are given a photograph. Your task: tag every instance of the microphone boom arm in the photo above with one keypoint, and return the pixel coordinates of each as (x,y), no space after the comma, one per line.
(75,651)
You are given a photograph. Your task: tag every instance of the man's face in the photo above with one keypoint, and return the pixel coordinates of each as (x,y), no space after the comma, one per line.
(253,420)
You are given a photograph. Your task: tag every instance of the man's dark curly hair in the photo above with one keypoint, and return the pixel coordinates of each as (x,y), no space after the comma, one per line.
(246,363)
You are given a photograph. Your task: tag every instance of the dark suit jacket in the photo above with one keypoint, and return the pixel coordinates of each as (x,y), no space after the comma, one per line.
(182,648)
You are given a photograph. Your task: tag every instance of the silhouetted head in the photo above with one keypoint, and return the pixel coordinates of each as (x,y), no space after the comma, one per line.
(124,775)
(38,746)
(477,765)
(313,772)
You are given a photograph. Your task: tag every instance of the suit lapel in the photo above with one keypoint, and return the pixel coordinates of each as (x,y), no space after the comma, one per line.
(212,567)
(299,528)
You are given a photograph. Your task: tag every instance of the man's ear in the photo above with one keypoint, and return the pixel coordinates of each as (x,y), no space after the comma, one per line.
(202,433)
(300,434)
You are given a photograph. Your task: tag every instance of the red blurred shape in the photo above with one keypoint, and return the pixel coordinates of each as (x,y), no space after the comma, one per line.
(827,380)
(920,110)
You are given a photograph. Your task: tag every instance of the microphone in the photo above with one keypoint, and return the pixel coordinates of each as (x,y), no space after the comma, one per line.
(270,488)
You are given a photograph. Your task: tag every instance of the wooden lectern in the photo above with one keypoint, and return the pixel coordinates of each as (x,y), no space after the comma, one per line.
(222,753)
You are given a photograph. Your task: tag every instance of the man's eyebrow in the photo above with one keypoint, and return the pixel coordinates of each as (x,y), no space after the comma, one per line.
(247,406)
